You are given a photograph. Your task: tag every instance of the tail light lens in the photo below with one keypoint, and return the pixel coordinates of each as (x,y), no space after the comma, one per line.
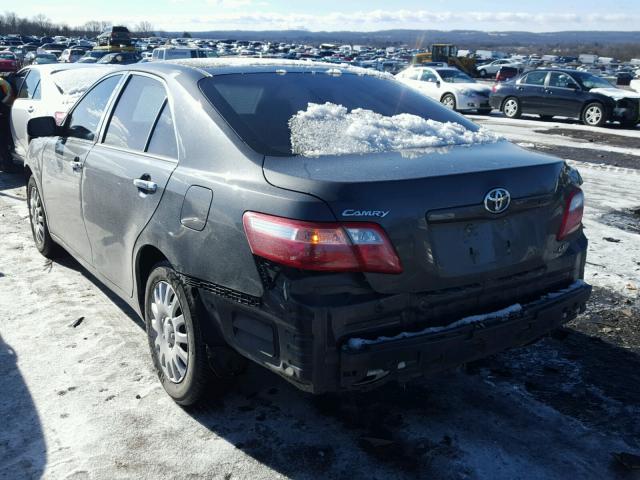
(335,247)
(572,218)
(59,117)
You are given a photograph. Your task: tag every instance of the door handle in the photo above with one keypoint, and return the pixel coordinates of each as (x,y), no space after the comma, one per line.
(520,88)
(76,165)
(146,186)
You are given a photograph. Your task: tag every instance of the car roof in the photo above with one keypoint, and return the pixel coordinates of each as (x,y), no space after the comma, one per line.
(227,65)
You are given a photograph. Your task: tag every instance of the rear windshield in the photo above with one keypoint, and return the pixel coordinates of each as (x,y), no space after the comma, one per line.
(258,106)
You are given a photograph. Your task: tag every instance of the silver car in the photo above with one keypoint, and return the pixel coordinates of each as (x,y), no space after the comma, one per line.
(47,90)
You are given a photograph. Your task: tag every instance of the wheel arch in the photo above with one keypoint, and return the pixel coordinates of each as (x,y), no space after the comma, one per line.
(146,258)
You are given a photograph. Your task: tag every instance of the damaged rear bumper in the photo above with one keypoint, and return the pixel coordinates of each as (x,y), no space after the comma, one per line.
(405,357)
(313,347)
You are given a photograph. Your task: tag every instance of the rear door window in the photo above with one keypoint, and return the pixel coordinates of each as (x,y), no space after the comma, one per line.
(135,113)
(85,118)
(534,78)
(163,138)
(29,89)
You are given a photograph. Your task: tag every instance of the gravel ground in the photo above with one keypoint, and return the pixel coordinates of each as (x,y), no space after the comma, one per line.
(80,399)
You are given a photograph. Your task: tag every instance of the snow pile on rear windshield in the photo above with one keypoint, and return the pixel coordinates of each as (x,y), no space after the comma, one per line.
(74,82)
(330,129)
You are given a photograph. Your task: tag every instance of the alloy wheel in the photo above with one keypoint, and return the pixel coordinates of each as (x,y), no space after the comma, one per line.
(593,115)
(171,336)
(37,216)
(449,102)
(510,108)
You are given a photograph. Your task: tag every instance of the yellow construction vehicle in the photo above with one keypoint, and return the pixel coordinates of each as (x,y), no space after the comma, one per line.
(446,53)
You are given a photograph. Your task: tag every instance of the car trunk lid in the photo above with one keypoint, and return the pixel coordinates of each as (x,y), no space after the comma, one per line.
(431,205)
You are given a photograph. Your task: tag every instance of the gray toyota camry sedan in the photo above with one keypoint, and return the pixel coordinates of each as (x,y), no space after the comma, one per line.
(327,222)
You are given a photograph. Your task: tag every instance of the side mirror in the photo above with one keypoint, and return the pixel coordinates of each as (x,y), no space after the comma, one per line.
(42,127)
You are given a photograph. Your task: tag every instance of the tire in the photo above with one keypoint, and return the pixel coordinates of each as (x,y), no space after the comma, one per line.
(482,73)
(594,115)
(175,335)
(484,111)
(449,101)
(512,108)
(38,220)
(546,118)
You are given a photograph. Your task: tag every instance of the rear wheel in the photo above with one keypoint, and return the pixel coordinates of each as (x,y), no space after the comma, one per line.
(174,330)
(511,108)
(593,115)
(39,228)
(449,101)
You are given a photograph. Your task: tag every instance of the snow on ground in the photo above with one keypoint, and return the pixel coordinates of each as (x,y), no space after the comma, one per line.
(330,129)
(526,131)
(612,224)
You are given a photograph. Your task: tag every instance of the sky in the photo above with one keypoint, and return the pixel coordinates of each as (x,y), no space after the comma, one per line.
(357,15)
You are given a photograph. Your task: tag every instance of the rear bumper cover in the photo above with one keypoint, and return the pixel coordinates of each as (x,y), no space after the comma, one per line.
(305,346)
(405,358)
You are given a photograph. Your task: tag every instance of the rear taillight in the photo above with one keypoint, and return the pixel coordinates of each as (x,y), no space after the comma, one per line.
(335,247)
(572,218)
(59,117)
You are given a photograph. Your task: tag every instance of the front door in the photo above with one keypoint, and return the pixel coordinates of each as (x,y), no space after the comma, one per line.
(62,171)
(563,96)
(125,176)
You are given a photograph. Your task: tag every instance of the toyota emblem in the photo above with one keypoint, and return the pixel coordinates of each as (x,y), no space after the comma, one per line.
(497,200)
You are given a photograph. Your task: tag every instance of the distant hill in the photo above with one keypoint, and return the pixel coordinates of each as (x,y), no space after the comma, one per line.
(621,45)
(465,38)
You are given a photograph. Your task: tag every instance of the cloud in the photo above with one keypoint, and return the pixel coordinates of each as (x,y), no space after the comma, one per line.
(255,15)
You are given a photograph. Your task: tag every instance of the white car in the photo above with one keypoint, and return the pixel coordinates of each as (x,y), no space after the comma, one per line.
(449,86)
(490,69)
(635,84)
(71,55)
(47,90)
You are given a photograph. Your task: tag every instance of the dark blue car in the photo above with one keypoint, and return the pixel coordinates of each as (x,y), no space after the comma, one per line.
(567,93)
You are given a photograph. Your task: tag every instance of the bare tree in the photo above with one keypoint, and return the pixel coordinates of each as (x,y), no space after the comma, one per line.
(144,28)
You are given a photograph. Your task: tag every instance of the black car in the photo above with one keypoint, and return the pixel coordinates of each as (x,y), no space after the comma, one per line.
(114,36)
(240,211)
(567,93)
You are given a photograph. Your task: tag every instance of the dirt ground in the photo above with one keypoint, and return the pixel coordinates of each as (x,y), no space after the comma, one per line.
(80,400)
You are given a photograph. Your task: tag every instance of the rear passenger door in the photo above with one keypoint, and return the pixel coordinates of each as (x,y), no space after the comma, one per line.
(531,91)
(25,107)
(126,173)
